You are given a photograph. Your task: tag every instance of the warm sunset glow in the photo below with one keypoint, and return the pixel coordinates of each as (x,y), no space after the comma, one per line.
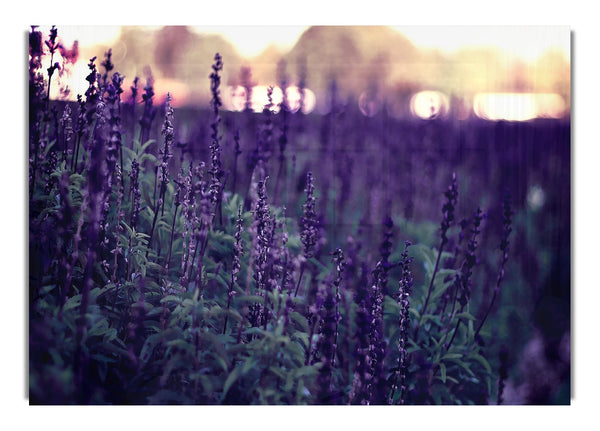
(515,71)
(518,106)
(523,42)
(293,99)
(234,98)
(251,40)
(429,104)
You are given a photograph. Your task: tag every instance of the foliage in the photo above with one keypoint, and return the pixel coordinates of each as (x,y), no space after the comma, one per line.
(152,282)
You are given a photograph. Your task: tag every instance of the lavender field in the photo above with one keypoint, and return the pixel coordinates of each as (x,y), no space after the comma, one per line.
(353,255)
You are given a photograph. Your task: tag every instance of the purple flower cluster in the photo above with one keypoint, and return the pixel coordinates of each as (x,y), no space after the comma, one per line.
(326,345)
(309,233)
(464,279)
(216,167)
(238,252)
(166,152)
(262,230)
(404,291)
(149,112)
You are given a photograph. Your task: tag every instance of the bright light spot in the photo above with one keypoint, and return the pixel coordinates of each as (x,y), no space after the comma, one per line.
(429,104)
(536,198)
(234,99)
(260,98)
(293,99)
(518,106)
(369,104)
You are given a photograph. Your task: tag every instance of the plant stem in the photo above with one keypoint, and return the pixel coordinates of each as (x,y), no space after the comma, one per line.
(299,279)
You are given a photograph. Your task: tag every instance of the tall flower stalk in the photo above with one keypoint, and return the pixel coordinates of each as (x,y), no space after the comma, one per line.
(404,291)
(238,251)
(308,225)
(507,214)
(216,166)
(448,218)
(166,153)
(462,284)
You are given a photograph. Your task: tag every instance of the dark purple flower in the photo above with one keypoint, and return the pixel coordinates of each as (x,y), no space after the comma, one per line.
(308,222)
(404,290)
(326,343)
(136,195)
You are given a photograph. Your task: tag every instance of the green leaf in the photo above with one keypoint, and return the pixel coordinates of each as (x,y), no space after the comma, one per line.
(443,372)
(452,356)
(249,364)
(278,372)
(307,370)
(426,254)
(300,320)
(465,315)
(148,348)
(415,313)
(231,378)
(252,299)
(173,298)
(73,302)
(482,361)
(463,365)
(440,287)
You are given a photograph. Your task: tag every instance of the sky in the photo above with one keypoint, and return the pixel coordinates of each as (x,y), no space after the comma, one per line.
(526,42)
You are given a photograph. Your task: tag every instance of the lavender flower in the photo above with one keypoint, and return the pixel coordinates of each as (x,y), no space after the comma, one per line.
(507,214)
(136,195)
(108,67)
(205,216)
(338,259)
(326,343)
(80,127)
(404,291)
(377,343)
(92,93)
(448,209)
(262,229)
(53,46)
(149,112)
(118,250)
(470,259)
(359,393)
(462,282)
(113,100)
(238,251)
(448,218)
(66,124)
(179,187)
(308,223)
(216,167)
(166,153)
(309,234)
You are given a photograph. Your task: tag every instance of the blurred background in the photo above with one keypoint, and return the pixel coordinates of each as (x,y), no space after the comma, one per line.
(495,72)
